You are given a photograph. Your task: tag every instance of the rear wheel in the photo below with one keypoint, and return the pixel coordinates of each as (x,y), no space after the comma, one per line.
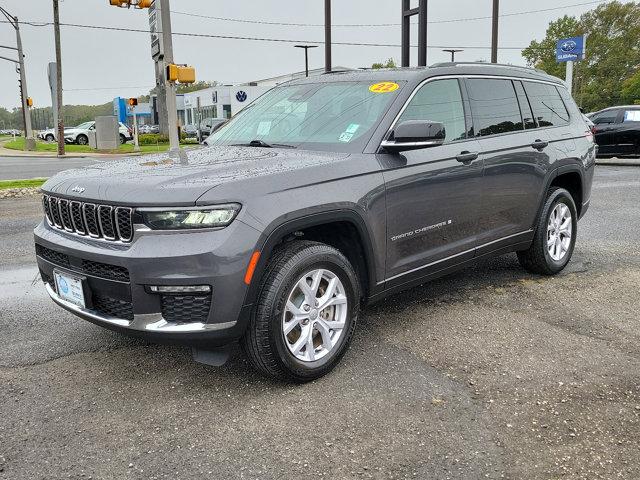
(49,138)
(82,140)
(306,312)
(123,139)
(555,235)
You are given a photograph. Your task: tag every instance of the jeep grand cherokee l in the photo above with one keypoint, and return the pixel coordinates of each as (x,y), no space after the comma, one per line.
(325,194)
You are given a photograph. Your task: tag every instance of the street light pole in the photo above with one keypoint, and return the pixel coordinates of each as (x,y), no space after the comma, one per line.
(327,35)
(306,57)
(29,142)
(60,120)
(494,31)
(453,52)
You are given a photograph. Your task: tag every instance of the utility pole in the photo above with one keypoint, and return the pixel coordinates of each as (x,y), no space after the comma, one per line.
(422,33)
(29,142)
(169,88)
(494,31)
(60,120)
(306,57)
(327,35)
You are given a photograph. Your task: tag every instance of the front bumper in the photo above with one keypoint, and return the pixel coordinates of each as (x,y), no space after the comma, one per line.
(117,277)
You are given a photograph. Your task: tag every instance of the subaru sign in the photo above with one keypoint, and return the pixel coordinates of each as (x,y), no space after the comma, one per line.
(570,49)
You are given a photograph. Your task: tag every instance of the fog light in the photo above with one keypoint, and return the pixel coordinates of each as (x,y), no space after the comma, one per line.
(180,288)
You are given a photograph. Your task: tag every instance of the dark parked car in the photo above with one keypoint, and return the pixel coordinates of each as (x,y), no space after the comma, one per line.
(210,125)
(328,193)
(617,130)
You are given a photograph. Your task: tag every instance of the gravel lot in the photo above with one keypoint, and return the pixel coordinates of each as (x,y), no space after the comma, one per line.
(488,373)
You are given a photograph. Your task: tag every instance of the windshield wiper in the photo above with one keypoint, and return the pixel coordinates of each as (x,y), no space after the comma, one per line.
(262,143)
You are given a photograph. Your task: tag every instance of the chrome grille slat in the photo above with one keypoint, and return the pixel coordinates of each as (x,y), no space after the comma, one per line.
(98,221)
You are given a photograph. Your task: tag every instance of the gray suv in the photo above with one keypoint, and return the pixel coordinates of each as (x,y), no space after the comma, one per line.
(324,195)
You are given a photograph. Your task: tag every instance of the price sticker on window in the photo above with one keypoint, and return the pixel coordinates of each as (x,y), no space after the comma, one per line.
(384,87)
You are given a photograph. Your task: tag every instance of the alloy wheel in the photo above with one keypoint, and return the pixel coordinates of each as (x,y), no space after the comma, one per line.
(559,232)
(315,315)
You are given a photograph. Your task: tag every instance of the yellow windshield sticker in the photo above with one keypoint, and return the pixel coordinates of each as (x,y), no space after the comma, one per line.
(384,87)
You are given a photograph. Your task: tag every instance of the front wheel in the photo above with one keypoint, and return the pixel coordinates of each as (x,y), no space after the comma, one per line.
(82,140)
(555,235)
(306,312)
(123,139)
(49,138)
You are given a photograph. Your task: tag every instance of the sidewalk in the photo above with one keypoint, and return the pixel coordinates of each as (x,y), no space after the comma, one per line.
(619,162)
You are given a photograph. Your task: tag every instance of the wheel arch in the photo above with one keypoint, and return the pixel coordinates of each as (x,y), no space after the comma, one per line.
(308,226)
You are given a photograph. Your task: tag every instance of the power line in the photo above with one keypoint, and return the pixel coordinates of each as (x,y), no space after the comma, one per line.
(260,39)
(453,20)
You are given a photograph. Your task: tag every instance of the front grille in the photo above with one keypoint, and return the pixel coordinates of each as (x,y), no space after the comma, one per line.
(52,256)
(185,308)
(104,270)
(112,307)
(88,267)
(97,221)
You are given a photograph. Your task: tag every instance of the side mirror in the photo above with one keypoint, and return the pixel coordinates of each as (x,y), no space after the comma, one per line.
(415,134)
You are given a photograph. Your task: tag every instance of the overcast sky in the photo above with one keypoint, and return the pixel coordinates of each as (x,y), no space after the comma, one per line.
(99,65)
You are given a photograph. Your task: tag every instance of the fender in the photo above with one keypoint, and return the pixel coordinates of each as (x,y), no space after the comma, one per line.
(556,172)
(275,232)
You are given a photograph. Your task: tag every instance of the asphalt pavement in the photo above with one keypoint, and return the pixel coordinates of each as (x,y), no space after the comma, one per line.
(18,168)
(488,373)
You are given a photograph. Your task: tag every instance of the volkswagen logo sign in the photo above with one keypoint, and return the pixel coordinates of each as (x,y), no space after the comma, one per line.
(77,189)
(241,96)
(568,46)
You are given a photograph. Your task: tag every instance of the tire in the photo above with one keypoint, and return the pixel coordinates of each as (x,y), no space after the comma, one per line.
(49,138)
(265,343)
(541,257)
(123,139)
(82,139)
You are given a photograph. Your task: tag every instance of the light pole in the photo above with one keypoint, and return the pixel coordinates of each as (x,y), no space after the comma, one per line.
(327,36)
(453,52)
(29,142)
(494,31)
(306,57)
(60,120)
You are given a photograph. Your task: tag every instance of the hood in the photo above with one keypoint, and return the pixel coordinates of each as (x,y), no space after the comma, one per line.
(178,179)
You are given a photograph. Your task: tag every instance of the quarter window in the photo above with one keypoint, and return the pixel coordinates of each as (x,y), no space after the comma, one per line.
(547,105)
(631,116)
(439,101)
(494,106)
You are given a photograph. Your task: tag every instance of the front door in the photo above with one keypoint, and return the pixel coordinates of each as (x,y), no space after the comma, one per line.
(432,194)
(627,135)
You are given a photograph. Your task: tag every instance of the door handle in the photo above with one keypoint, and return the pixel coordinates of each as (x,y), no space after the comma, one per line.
(467,157)
(540,144)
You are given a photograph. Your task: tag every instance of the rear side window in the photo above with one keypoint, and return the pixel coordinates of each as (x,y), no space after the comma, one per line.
(439,101)
(548,108)
(631,116)
(494,106)
(604,118)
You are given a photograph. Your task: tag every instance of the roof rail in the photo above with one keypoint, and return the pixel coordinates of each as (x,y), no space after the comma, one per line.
(485,64)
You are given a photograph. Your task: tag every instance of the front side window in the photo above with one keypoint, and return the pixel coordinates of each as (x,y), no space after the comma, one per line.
(547,105)
(335,116)
(494,106)
(439,101)
(631,116)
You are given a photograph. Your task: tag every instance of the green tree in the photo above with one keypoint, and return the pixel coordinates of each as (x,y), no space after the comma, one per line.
(631,89)
(613,36)
(391,63)
(192,87)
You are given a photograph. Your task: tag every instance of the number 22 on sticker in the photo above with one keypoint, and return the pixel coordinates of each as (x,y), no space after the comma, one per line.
(384,87)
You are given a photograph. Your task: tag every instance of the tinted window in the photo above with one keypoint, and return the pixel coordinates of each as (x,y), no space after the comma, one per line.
(439,101)
(494,106)
(631,116)
(548,108)
(525,108)
(609,116)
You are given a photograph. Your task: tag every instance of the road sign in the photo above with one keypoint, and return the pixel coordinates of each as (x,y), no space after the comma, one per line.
(155,26)
(570,49)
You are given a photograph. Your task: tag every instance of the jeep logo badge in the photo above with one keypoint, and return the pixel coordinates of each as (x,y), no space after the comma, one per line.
(77,189)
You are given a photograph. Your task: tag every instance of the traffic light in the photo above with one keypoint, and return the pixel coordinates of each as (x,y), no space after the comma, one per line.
(144,3)
(120,3)
(29,102)
(129,3)
(133,102)
(181,73)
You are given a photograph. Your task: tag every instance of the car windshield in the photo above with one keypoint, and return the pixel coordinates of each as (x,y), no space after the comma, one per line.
(84,126)
(336,116)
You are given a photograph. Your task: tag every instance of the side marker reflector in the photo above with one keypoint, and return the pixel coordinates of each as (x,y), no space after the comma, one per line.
(252,267)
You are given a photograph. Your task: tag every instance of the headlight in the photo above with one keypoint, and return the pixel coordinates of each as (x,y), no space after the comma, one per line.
(209,217)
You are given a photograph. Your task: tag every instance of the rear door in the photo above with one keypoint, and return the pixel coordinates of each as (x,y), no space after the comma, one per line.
(432,194)
(606,125)
(627,133)
(515,155)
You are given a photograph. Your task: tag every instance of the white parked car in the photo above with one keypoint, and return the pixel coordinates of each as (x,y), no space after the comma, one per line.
(80,134)
(49,134)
